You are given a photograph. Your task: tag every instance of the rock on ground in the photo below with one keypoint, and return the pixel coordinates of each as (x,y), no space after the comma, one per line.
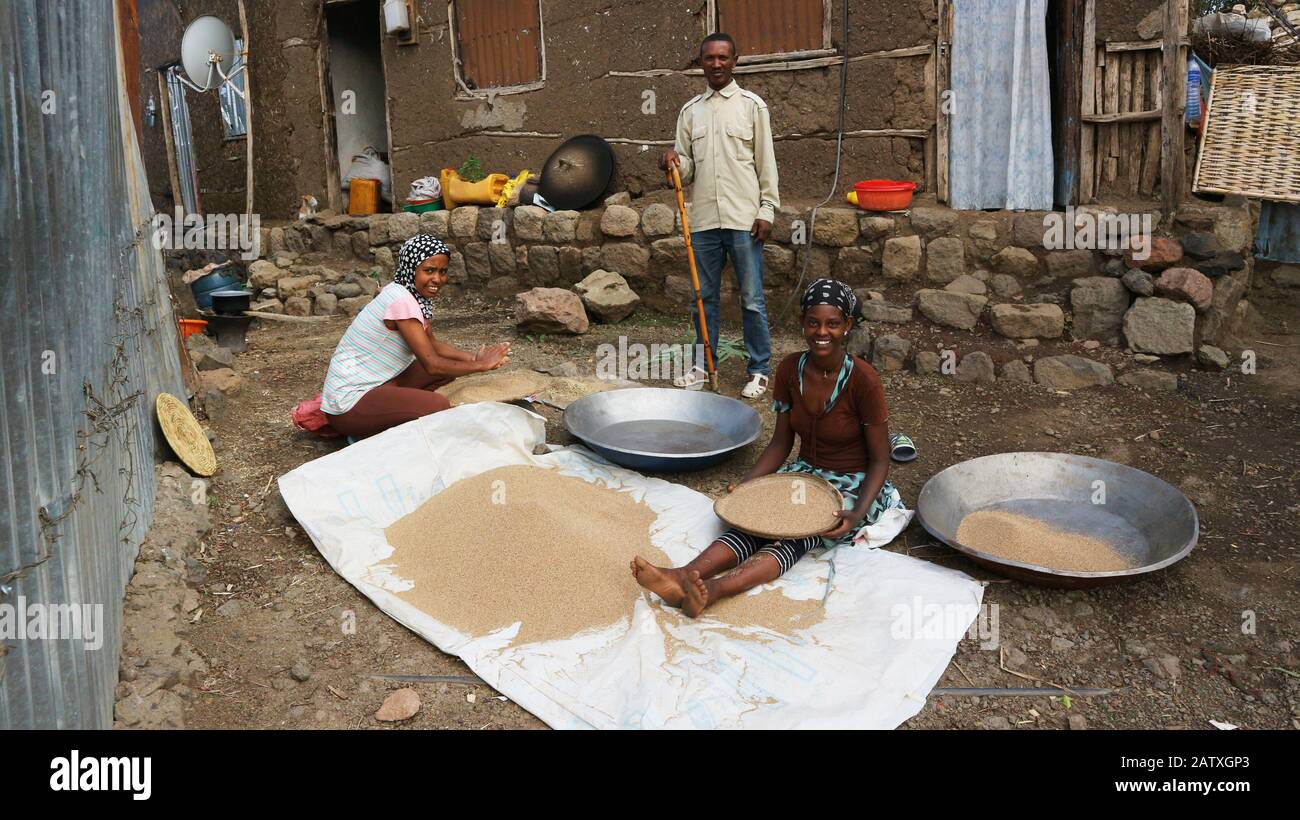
(606,296)
(1017,371)
(1071,373)
(550,310)
(400,705)
(1211,357)
(976,367)
(890,353)
(1149,380)
(223,379)
(875,311)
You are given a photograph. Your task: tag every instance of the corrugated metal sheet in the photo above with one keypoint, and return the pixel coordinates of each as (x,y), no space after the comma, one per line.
(772,26)
(498,42)
(85,323)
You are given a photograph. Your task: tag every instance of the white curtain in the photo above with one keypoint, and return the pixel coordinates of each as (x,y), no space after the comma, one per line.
(1001,134)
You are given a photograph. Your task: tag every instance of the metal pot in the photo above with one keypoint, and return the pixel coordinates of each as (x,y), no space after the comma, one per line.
(231,302)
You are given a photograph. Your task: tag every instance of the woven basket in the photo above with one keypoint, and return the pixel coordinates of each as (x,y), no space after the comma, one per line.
(1251,141)
(817,492)
(184,434)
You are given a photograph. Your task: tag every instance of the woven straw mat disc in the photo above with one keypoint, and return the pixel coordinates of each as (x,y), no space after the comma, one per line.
(184,434)
(782,505)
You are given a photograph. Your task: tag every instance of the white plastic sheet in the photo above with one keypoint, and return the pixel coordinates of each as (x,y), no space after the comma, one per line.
(863,666)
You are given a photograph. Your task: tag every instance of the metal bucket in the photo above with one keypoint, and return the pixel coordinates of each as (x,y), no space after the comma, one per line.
(657,429)
(1146,519)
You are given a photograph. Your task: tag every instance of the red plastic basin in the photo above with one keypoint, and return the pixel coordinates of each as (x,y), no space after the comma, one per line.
(884,194)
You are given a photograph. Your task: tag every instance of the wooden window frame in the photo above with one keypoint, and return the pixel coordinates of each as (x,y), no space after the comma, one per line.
(827,49)
(464,92)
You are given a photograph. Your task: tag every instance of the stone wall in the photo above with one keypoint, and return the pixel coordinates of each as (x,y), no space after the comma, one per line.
(969,271)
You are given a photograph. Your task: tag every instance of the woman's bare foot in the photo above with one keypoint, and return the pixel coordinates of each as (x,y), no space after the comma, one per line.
(665,582)
(697,595)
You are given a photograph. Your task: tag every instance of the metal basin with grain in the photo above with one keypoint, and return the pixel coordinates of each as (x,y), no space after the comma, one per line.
(1147,520)
(662,430)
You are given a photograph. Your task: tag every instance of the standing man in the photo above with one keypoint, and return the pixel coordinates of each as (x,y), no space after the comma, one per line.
(724,150)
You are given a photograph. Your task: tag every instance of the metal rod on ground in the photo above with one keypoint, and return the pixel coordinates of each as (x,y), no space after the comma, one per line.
(1030,692)
(695,276)
(470,679)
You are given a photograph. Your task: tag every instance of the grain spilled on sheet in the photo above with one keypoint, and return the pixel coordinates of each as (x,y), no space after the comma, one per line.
(524,544)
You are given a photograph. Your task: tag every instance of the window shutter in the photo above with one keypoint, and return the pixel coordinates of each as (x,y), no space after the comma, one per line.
(772,26)
(498,42)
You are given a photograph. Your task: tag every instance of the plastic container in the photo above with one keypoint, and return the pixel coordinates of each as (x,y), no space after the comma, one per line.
(363,197)
(423,207)
(204,286)
(191,326)
(884,194)
(1193,111)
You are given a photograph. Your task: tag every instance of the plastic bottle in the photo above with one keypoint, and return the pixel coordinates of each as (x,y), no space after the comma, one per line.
(1193,113)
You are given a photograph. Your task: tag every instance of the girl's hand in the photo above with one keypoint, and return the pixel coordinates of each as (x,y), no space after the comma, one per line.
(484,351)
(849,520)
(492,358)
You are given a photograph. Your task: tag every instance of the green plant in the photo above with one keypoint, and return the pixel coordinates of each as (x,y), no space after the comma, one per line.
(471,170)
(727,348)
(730,348)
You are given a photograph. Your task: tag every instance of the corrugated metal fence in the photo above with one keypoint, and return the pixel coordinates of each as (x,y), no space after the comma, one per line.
(87,343)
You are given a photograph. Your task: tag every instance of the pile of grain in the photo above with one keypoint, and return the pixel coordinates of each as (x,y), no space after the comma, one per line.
(1028,540)
(787,505)
(495,386)
(565,391)
(524,544)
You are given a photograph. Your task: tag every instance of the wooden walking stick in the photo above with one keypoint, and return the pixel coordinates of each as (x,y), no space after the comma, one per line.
(695,276)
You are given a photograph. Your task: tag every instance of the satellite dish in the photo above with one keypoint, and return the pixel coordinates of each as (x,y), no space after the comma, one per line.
(577,173)
(208,52)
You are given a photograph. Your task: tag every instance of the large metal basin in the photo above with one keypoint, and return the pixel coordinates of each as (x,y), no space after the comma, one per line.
(1144,518)
(657,429)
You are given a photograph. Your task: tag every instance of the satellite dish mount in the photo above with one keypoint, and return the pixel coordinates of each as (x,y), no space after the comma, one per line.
(208,56)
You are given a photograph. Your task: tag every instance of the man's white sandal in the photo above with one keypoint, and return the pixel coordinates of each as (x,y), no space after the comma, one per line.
(757,386)
(694,380)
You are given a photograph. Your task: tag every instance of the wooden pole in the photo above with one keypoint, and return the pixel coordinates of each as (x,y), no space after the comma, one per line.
(248,114)
(676,178)
(1088,106)
(1173,104)
(165,111)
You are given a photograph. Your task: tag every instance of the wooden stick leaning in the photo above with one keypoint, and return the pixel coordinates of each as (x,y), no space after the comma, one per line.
(695,276)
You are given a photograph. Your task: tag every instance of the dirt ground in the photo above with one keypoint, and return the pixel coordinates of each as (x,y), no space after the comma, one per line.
(1215,637)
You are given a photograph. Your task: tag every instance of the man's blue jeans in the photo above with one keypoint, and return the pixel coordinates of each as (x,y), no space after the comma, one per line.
(712,247)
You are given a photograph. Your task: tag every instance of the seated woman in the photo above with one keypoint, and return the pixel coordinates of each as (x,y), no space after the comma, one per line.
(388,364)
(835,403)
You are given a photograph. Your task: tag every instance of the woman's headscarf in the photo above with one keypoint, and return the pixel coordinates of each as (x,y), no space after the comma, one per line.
(414,251)
(834,293)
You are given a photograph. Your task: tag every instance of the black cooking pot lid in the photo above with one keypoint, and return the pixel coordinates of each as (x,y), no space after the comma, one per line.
(577,173)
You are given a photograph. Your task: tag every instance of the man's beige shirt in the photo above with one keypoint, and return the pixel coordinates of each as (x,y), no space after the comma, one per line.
(724,140)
